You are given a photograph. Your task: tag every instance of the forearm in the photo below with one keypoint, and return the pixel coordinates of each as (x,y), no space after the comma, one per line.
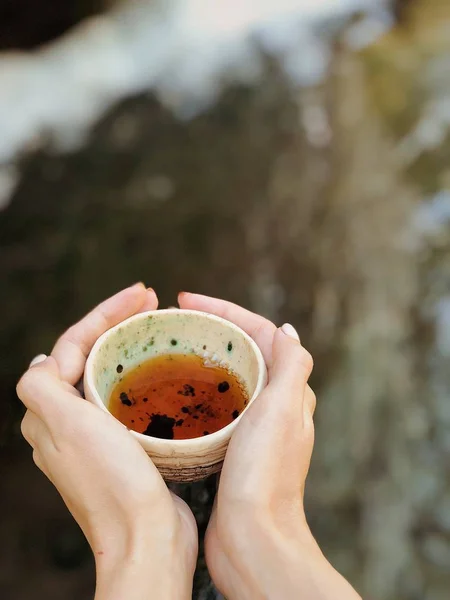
(320,582)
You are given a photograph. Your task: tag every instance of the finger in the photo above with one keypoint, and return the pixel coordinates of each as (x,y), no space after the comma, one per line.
(41,389)
(73,347)
(150,302)
(259,328)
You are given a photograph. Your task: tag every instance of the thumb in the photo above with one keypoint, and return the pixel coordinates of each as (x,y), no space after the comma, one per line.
(288,375)
(270,438)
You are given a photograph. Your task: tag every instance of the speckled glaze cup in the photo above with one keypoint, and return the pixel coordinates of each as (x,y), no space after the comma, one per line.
(153,333)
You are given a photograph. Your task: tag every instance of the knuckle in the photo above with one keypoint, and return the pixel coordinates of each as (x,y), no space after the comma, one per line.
(265,324)
(311,399)
(25,428)
(302,358)
(74,336)
(36,458)
(305,360)
(70,336)
(27,383)
(104,317)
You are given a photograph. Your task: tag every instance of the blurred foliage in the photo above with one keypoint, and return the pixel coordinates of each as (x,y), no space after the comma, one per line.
(309,206)
(28,23)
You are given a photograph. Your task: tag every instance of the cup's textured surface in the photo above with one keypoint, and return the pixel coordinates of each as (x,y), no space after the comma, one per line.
(154,333)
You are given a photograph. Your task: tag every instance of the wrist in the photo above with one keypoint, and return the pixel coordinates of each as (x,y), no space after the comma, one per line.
(136,570)
(136,580)
(298,568)
(311,573)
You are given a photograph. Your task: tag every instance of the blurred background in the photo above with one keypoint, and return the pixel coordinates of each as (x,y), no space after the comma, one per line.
(289,155)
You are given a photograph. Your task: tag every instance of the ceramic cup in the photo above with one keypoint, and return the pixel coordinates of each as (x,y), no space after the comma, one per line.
(154,333)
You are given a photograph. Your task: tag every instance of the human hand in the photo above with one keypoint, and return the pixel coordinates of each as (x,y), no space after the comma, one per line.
(144,538)
(258,544)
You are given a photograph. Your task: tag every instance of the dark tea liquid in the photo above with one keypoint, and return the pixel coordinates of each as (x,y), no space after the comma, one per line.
(176,396)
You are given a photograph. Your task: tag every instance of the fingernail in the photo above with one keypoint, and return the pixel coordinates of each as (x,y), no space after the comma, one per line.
(38,359)
(290,331)
(182,293)
(150,289)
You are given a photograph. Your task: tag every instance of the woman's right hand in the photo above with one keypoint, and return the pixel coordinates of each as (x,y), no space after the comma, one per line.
(144,538)
(258,543)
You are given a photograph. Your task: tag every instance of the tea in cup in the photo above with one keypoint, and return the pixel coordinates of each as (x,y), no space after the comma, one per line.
(180,380)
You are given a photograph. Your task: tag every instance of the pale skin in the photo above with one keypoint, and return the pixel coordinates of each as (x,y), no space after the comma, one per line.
(258,544)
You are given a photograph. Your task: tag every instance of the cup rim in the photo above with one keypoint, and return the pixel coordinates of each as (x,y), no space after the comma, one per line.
(161,445)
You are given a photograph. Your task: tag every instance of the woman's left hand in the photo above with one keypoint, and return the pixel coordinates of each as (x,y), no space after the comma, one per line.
(144,538)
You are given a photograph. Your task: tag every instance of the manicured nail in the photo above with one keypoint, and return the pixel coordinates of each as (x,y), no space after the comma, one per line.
(138,284)
(38,359)
(290,331)
(150,289)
